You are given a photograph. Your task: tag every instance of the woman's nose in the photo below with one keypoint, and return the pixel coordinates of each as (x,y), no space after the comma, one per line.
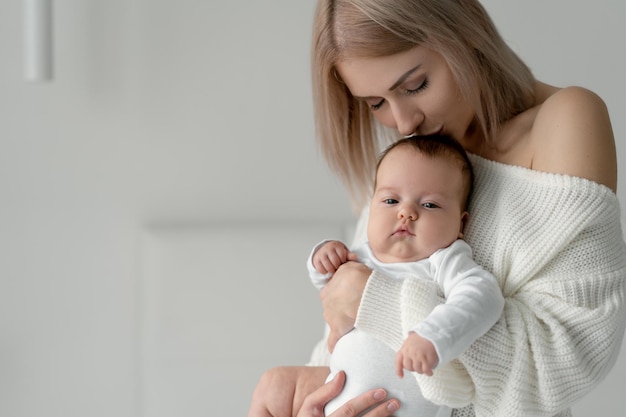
(407,119)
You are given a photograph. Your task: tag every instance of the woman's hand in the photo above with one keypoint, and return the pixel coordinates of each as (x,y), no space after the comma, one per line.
(341,298)
(314,403)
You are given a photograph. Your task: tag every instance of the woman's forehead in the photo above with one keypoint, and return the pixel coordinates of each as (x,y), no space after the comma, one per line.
(362,74)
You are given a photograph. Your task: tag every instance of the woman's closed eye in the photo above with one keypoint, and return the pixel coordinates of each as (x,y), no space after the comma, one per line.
(421,87)
(406,91)
(377,105)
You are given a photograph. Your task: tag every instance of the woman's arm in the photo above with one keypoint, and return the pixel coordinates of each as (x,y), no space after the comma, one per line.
(341,298)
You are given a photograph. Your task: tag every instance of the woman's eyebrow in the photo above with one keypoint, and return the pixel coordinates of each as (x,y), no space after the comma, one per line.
(395,85)
(404,77)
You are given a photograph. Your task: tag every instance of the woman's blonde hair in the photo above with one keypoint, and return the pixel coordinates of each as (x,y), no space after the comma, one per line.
(490,76)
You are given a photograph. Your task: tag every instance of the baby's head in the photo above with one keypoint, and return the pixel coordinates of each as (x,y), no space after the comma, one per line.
(420,200)
(438,146)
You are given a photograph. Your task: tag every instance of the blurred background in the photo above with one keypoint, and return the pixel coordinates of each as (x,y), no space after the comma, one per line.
(160,195)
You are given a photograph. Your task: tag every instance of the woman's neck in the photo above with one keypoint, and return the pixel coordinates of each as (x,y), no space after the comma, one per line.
(543,91)
(511,144)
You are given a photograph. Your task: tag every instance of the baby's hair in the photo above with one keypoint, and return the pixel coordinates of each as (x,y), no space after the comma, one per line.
(443,146)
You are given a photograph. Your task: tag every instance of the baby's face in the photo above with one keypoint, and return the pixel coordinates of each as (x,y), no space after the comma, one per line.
(416,208)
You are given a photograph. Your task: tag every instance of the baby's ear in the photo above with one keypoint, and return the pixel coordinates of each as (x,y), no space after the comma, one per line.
(464,217)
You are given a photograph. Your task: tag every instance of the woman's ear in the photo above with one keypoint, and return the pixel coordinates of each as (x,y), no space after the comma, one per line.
(464,217)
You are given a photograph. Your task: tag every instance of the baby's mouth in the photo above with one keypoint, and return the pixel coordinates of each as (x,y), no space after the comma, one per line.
(403,231)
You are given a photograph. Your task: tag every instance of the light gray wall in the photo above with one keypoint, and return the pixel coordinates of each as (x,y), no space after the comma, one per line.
(166,113)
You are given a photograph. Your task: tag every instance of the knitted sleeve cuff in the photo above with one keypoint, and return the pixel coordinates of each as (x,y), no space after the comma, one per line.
(379,313)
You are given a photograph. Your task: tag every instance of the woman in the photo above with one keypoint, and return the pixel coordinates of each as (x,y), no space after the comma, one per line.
(544,218)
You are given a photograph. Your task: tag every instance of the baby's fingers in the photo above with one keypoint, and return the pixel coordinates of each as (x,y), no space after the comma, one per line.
(399,365)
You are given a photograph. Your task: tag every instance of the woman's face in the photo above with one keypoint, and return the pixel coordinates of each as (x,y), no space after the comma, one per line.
(412,91)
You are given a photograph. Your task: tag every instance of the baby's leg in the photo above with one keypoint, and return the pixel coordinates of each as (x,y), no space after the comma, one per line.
(281,391)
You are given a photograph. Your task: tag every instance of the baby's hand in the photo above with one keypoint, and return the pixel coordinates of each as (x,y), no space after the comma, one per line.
(331,255)
(416,354)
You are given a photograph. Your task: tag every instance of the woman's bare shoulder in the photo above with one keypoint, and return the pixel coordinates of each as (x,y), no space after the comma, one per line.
(572,135)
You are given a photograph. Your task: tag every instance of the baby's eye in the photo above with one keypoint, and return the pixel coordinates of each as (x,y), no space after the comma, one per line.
(390,201)
(430,205)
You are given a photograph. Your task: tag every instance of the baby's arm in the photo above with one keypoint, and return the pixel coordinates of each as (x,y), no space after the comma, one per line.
(417,354)
(331,255)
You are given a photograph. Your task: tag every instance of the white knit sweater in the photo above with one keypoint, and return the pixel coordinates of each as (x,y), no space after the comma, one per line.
(555,244)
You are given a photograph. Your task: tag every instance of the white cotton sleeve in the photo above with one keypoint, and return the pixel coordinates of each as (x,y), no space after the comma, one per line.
(473,302)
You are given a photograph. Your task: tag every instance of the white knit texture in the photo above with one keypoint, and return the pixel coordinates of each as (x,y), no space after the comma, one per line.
(555,244)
